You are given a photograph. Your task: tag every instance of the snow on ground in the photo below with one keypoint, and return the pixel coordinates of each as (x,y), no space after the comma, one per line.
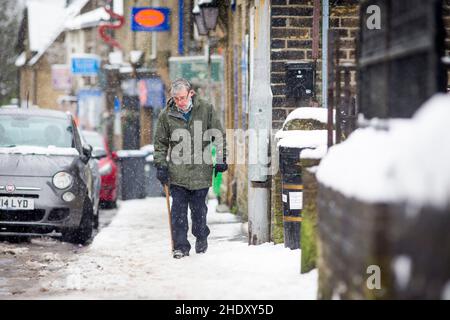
(131,259)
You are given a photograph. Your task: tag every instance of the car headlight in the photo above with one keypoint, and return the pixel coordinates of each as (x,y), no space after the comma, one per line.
(68,196)
(62,180)
(106,169)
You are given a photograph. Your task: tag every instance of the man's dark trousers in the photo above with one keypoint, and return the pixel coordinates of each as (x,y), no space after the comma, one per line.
(196,199)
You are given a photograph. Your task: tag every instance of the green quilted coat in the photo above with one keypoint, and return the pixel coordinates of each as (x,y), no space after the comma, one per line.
(189,162)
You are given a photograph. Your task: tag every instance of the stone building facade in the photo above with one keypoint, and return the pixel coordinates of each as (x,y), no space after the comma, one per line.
(291,40)
(157,47)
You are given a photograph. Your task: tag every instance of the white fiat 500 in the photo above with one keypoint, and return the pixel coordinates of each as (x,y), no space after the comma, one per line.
(49,181)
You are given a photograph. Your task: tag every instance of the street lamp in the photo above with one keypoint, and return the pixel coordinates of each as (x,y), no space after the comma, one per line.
(205,14)
(199,22)
(210,11)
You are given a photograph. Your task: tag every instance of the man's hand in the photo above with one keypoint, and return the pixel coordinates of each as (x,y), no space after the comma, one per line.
(220,167)
(162,174)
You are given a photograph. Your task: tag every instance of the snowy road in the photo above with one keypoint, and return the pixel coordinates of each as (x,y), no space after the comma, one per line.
(131,259)
(24,262)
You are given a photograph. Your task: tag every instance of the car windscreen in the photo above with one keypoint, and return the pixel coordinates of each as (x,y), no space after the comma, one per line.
(34,130)
(94,139)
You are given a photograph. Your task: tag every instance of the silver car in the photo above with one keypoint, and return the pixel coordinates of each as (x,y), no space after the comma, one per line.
(49,181)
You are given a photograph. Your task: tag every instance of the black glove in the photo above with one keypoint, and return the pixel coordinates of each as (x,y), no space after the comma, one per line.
(162,174)
(220,167)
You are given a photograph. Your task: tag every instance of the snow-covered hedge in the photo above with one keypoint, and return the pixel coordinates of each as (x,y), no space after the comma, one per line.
(305,128)
(408,163)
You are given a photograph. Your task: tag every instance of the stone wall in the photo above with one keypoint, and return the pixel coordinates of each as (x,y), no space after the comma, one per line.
(276,208)
(236,101)
(406,248)
(308,233)
(276,230)
(46,96)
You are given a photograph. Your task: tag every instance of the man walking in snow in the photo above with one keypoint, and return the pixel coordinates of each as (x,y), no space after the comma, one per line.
(185,131)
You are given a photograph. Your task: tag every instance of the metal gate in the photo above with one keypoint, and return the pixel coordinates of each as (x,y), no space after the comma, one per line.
(399,65)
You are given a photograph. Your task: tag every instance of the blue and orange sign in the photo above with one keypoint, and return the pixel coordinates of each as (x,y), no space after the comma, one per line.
(150,19)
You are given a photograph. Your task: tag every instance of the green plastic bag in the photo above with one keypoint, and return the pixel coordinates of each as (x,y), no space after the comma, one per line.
(217,180)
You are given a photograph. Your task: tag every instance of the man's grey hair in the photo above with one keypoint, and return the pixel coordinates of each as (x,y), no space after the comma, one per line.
(178,85)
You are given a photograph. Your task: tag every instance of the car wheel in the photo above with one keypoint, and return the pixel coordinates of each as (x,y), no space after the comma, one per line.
(96,220)
(113,204)
(83,233)
(108,204)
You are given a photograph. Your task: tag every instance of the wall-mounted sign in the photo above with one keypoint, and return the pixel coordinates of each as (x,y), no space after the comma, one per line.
(61,77)
(150,19)
(85,64)
(151,93)
(195,69)
(116,105)
(91,103)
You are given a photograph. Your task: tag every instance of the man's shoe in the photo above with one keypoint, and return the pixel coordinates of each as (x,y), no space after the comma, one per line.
(178,254)
(201,246)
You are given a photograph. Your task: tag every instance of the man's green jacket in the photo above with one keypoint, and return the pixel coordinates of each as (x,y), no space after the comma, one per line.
(185,146)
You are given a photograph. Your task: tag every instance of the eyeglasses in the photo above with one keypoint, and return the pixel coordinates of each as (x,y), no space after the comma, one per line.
(179,99)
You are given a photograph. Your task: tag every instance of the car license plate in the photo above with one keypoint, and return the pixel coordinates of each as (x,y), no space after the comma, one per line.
(11,203)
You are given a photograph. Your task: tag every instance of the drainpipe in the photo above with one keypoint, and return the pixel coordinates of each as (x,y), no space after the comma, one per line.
(19,98)
(260,123)
(180,27)
(154,36)
(35,86)
(154,46)
(325,27)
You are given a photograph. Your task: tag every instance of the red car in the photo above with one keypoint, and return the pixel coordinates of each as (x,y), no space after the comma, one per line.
(107,168)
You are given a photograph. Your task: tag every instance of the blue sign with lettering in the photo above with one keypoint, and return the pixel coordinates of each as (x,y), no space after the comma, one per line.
(150,19)
(116,105)
(85,66)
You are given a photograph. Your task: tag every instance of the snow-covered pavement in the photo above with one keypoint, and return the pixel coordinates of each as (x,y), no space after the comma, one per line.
(131,259)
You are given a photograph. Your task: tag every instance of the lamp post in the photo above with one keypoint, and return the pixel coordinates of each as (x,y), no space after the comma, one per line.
(205,17)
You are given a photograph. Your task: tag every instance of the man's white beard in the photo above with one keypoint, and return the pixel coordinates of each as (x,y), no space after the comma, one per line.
(188,107)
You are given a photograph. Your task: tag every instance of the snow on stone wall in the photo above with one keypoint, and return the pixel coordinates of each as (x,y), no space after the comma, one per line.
(301,138)
(409,163)
(319,114)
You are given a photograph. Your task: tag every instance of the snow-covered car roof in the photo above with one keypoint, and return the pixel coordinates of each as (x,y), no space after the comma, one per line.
(36,112)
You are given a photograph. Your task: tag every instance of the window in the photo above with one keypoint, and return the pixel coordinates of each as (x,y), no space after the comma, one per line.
(39,131)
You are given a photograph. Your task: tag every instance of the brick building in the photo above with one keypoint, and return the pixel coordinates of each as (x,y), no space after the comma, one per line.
(291,40)
(78,33)
(40,50)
